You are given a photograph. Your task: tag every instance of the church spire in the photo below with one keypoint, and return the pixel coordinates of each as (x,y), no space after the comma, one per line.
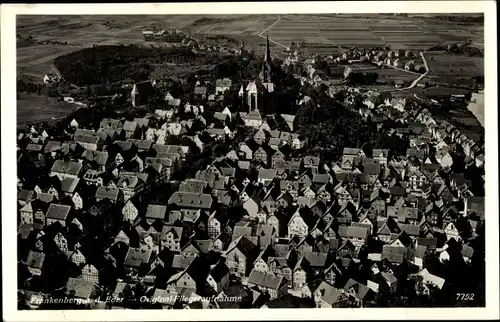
(267,66)
(267,57)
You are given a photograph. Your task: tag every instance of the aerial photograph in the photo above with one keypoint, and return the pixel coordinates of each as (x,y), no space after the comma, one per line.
(250,161)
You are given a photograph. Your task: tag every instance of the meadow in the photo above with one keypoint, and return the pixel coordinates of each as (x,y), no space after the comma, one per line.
(34,108)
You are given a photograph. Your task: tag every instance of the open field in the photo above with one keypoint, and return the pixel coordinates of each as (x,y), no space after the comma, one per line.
(322,34)
(455,66)
(371,31)
(32,108)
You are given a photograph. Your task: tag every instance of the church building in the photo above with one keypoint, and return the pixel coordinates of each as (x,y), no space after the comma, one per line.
(252,94)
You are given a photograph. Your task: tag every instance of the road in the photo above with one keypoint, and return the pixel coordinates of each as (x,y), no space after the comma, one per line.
(269,27)
(415,82)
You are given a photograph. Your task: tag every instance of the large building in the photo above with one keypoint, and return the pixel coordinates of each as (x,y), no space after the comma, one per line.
(252,94)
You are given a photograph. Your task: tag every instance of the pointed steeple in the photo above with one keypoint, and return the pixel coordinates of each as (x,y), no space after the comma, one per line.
(267,57)
(242,45)
(267,66)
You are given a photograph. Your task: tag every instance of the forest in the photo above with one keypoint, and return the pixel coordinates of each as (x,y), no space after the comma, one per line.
(102,64)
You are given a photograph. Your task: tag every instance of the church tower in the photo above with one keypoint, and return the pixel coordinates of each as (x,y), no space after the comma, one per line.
(267,66)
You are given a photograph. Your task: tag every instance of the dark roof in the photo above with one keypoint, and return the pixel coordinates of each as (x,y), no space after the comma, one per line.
(35,259)
(66,167)
(144,88)
(353,231)
(265,280)
(394,253)
(200,90)
(59,212)
(156,212)
(135,257)
(191,200)
(82,288)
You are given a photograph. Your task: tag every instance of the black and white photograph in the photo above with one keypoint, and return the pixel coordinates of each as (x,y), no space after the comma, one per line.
(251,161)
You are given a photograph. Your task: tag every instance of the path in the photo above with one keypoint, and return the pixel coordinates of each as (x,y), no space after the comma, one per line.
(269,27)
(415,82)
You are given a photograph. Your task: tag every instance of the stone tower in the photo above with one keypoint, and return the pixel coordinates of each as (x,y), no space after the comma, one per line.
(267,66)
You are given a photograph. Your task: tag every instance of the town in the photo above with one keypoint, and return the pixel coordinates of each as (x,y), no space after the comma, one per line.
(234,195)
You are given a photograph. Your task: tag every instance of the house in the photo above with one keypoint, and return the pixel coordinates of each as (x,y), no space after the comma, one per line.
(222,85)
(327,296)
(141,92)
(265,176)
(253,119)
(155,212)
(474,206)
(57,213)
(185,200)
(27,213)
(428,278)
(356,235)
(261,155)
(218,277)
(244,152)
(25,196)
(200,92)
(90,274)
(131,129)
(88,142)
(298,141)
(114,195)
(381,156)
(451,231)
(240,255)
(359,292)
(300,223)
(182,283)
(311,162)
(81,289)
(167,299)
(264,282)
(137,258)
(35,262)
(66,169)
(171,238)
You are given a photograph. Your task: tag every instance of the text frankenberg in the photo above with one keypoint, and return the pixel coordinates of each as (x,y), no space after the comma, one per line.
(157,299)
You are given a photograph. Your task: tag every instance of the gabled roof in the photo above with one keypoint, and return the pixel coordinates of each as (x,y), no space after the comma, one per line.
(59,212)
(328,293)
(69,184)
(35,259)
(353,232)
(253,115)
(81,288)
(191,200)
(136,257)
(106,192)
(156,212)
(245,246)
(265,280)
(66,167)
(143,88)
(267,174)
(394,254)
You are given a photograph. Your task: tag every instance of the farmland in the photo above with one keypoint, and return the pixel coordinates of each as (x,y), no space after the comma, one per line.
(327,34)
(455,66)
(452,69)
(33,108)
(372,31)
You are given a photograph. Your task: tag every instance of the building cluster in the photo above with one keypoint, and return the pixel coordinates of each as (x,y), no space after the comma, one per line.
(302,65)
(265,219)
